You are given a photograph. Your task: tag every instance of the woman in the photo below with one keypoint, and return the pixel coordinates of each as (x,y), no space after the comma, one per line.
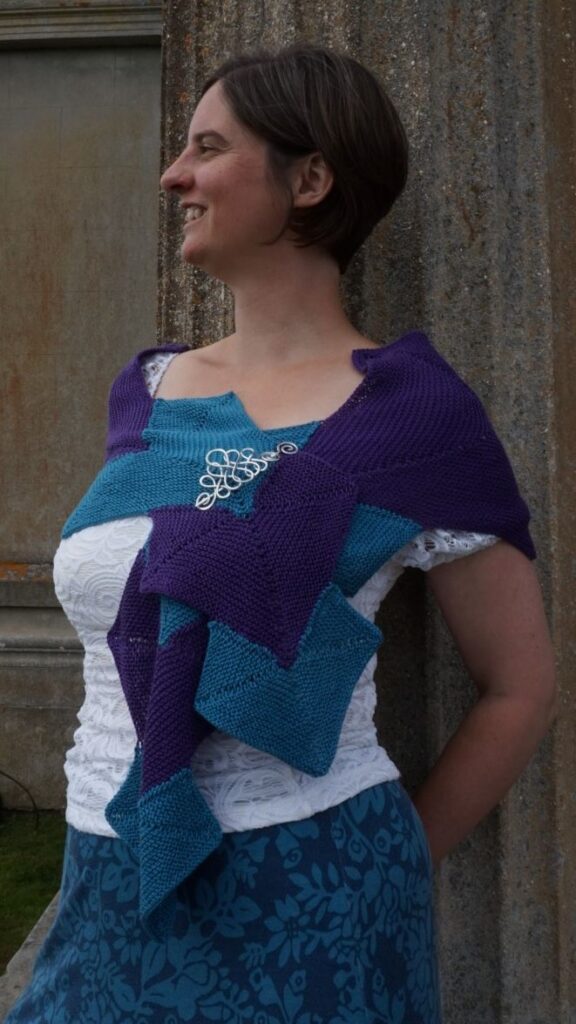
(255,856)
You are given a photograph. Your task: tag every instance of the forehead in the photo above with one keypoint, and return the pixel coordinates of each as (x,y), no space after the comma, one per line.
(214,114)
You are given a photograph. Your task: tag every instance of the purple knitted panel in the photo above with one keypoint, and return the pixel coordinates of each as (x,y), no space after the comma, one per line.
(174,729)
(474,490)
(130,405)
(192,558)
(133,641)
(428,450)
(261,575)
(410,404)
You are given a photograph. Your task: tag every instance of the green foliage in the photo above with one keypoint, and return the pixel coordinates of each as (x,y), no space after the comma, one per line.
(30,867)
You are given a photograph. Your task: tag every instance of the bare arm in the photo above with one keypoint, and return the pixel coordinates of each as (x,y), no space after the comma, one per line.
(492,604)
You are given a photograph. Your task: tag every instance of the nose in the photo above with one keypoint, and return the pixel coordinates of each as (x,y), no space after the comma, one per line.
(177,176)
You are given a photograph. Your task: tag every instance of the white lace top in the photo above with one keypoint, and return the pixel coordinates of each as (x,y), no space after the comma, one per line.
(245,788)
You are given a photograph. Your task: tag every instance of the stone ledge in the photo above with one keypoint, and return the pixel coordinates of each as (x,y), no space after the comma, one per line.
(36,25)
(37,630)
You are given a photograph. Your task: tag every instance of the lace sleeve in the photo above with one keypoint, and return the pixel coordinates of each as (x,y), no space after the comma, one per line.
(154,367)
(433,547)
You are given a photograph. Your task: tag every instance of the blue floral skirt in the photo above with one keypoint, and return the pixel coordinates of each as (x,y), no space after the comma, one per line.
(328,920)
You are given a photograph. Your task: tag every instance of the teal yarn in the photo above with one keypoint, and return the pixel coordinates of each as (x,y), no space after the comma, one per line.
(301,720)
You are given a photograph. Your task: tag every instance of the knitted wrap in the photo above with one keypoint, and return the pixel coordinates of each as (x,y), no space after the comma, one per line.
(235,613)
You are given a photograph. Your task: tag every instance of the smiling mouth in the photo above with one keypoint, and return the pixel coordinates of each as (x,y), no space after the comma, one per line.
(194,213)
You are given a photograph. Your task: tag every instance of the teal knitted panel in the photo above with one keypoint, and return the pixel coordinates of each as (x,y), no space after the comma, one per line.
(169,473)
(174,615)
(177,811)
(294,713)
(374,536)
(186,429)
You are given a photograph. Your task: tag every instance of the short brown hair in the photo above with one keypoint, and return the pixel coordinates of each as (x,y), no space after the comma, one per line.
(306,98)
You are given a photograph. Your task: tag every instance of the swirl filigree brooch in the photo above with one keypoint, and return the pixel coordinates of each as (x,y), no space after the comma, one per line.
(228,468)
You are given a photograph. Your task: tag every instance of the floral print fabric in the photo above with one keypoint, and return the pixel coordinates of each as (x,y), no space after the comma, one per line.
(327,920)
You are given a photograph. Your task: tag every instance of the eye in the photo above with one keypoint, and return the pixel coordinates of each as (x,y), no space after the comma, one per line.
(203,148)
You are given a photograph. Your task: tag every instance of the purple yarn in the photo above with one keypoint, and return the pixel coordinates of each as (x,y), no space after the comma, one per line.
(260,574)
(130,405)
(412,440)
(133,640)
(174,728)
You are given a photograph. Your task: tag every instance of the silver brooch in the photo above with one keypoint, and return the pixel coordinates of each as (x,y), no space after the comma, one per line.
(228,468)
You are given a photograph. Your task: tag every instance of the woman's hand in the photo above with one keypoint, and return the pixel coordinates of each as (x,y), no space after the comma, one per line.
(492,604)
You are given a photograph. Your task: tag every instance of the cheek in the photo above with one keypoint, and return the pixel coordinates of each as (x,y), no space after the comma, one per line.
(228,197)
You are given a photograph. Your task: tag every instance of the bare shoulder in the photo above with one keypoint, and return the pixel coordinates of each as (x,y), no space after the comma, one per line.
(209,353)
(198,372)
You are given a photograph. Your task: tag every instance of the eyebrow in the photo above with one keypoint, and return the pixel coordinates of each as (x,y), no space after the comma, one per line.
(200,136)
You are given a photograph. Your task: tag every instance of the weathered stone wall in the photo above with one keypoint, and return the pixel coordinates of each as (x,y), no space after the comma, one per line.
(79,166)
(479,253)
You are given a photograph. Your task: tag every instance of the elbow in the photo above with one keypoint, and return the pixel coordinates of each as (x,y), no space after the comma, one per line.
(545,701)
(548,690)
(532,698)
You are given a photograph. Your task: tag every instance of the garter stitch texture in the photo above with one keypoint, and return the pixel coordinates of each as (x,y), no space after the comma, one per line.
(235,614)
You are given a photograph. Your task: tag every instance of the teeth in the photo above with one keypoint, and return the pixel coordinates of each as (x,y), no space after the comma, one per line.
(194,213)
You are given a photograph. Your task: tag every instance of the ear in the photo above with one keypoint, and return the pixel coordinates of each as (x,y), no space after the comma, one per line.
(312,180)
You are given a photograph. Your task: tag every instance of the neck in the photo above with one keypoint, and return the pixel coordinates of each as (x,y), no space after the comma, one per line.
(291,314)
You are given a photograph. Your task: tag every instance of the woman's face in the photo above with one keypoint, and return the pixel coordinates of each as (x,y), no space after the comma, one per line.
(231,205)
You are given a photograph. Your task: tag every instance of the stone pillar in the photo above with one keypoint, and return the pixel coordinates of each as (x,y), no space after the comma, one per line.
(478,253)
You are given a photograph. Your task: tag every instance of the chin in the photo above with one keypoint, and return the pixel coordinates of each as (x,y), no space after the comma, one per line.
(195,257)
(202,260)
